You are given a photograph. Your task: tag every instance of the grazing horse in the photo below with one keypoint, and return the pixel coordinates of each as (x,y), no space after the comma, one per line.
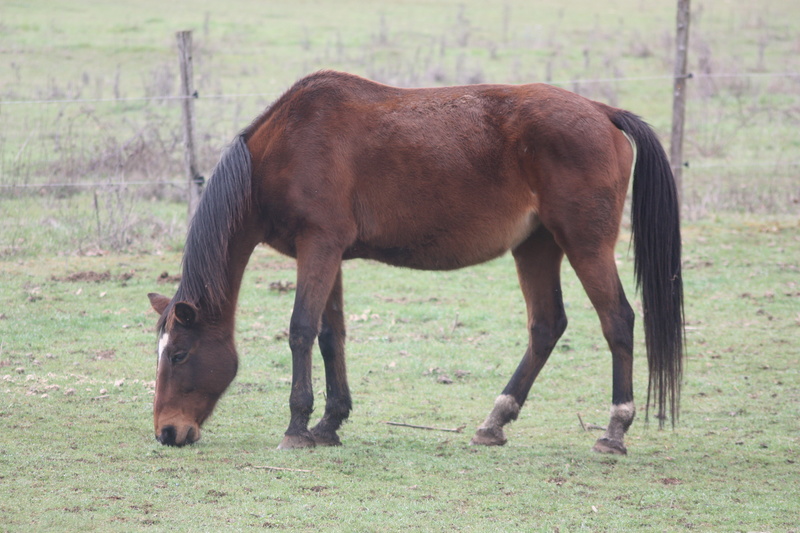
(340,167)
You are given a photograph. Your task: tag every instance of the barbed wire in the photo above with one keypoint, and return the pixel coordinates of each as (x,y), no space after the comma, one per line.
(752,164)
(273,94)
(134,99)
(95,184)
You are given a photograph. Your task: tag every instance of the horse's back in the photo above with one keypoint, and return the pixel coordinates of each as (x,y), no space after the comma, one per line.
(432,178)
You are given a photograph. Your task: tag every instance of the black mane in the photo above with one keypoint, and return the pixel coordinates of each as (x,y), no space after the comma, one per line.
(223,205)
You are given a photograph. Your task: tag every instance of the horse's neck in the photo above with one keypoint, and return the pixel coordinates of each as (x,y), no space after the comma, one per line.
(240,248)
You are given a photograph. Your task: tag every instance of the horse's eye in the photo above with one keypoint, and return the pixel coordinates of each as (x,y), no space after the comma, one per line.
(178,358)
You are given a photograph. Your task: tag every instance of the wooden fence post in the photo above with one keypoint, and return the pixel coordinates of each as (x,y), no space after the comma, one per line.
(679,94)
(188,95)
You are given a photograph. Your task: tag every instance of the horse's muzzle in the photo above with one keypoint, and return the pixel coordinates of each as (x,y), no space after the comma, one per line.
(172,436)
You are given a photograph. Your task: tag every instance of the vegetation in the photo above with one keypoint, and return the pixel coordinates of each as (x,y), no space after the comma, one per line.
(77,451)
(77,346)
(106,115)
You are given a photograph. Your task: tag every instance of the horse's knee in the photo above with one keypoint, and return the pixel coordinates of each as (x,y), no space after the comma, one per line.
(330,340)
(545,334)
(301,336)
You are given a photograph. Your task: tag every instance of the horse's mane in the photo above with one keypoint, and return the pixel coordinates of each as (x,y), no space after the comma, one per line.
(223,205)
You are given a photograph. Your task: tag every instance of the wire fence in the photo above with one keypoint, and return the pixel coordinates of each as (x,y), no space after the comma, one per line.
(560,83)
(704,166)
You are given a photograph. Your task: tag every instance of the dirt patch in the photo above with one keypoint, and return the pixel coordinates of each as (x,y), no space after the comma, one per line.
(281,286)
(92,277)
(164,277)
(105,355)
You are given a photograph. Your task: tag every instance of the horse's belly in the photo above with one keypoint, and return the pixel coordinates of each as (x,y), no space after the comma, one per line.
(448,246)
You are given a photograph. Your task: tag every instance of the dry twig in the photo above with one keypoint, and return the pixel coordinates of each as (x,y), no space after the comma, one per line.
(456,430)
(278,468)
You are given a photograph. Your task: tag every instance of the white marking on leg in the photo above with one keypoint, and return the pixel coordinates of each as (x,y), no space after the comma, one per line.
(623,412)
(621,418)
(490,433)
(505,409)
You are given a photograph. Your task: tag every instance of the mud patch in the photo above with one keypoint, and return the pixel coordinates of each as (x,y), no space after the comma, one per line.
(105,355)
(91,276)
(281,287)
(164,277)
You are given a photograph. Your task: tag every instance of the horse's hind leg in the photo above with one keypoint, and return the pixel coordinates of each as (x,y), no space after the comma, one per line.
(331,344)
(598,273)
(538,262)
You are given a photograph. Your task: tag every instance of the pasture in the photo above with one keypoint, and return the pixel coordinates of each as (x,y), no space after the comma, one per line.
(78,359)
(77,339)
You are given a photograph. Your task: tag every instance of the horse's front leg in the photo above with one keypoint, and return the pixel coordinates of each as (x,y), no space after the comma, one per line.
(331,344)
(317,271)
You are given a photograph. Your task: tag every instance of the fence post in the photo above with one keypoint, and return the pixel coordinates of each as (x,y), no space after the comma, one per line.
(188,95)
(679,95)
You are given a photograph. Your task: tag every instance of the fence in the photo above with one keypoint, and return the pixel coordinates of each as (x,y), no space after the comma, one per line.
(16,175)
(741,125)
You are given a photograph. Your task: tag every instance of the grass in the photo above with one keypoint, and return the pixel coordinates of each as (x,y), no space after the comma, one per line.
(77,344)
(77,364)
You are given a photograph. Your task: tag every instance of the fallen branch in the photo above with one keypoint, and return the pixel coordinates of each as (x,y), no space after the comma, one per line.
(456,430)
(587,427)
(278,468)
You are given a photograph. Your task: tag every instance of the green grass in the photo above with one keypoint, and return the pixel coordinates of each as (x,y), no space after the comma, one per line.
(77,358)
(77,363)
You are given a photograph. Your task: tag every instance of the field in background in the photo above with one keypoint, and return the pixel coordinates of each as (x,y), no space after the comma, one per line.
(92,219)
(87,92)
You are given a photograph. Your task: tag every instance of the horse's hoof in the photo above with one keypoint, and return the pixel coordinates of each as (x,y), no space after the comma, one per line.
(292,442)
(329,438)
(615,447)
(488,437)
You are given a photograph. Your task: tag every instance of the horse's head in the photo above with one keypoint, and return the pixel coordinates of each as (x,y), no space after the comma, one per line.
(196,362)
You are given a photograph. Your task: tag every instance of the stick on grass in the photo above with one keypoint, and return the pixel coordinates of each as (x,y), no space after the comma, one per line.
(431,428)
(281,469)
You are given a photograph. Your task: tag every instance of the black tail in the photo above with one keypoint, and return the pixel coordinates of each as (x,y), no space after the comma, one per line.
(655,218)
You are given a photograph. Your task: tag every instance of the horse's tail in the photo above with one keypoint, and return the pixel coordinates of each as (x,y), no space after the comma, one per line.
(655,215)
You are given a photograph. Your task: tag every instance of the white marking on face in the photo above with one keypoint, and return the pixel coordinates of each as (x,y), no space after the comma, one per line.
(162,344)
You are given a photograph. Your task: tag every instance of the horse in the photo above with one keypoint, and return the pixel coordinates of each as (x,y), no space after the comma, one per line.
(340,167)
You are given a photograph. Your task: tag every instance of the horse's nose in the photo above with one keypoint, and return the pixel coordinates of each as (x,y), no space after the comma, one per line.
(167,436)
(178,436)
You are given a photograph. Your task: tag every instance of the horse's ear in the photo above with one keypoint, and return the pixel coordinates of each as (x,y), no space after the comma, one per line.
(186,313)
(159,302)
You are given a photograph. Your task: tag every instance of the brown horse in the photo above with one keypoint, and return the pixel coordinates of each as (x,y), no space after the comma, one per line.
(341,167)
